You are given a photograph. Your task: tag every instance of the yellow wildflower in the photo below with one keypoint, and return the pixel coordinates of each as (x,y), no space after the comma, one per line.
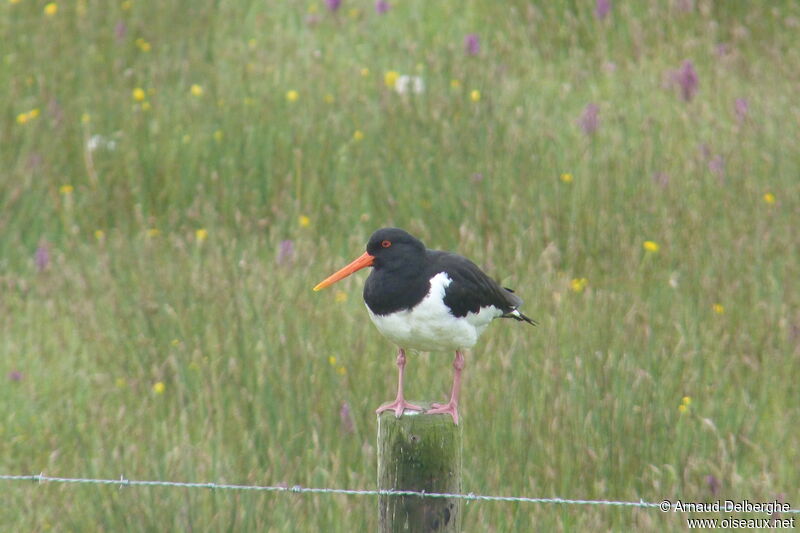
(126,5)
(358,135)
(186,138)
(175,342)
(13,1)
(158,387)
(51,9)
(390,78)
(364,72)
(120,383)
(252,43)
(66,190)
(138,94)
(201,235)
(153,232)
(332,360)
(682,408)
(146,106)
(196,90)
(578,284)
(218,135)
(24,118)
(566,177)
(292,96)
(99,234)
(455,84)
(304,221)
(354,13)
(341,371)
(651,246)
(329,99)
(475,95)
(686,400)
(718,308)
(340,297)
(769,198)
(143,45)
(86,118)
(313,8)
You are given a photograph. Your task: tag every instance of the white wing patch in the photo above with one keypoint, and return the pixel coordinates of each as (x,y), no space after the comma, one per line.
(430,326)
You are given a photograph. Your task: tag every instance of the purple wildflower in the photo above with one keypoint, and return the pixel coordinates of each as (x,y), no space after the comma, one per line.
(472,45)
(477,177)
(346,418)
(741,106)
(713,484)
(589,120)
(717,166)
(42,257)
(120,30)
(602,9)
(286,252)
(723,49)
(35,161)
(333,5)
(381,6)
(686,78)
(56,111)
(661,179)
(15,375)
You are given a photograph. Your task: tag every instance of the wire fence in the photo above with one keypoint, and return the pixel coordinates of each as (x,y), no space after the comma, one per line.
(664,505)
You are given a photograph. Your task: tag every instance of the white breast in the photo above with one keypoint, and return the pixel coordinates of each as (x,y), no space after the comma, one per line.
(430,326)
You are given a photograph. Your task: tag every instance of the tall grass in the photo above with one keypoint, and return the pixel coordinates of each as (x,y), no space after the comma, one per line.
(137,345)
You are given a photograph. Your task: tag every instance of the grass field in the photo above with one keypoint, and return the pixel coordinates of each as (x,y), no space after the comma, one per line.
(176,176)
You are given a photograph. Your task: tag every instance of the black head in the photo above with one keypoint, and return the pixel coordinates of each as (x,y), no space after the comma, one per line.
(388,250)
(395,248)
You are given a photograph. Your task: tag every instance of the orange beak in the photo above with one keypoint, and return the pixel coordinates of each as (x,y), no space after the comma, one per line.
(363,261)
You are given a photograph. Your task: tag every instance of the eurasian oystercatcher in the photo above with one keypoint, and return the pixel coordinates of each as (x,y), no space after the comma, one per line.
(427,300)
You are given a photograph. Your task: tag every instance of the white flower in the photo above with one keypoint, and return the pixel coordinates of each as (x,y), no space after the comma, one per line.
(405,83)
(98,141)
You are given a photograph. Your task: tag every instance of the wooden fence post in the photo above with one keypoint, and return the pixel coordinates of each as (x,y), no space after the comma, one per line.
(419,452)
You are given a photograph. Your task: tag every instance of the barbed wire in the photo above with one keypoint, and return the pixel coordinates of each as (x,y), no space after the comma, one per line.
(122,482)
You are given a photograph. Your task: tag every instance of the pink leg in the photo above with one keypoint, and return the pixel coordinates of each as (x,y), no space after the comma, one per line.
(400,403)
(451,407)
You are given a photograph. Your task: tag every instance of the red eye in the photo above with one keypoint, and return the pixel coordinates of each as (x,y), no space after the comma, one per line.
(386,244)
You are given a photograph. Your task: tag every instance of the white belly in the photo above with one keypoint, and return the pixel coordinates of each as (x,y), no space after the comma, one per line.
(430,326)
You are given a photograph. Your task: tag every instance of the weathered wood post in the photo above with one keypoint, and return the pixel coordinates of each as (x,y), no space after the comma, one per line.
(419,452)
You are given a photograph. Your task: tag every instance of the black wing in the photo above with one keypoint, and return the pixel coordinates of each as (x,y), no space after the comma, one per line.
(471,289)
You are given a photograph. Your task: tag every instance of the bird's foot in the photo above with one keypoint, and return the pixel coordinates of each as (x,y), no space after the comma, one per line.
(399,405)
(449,408)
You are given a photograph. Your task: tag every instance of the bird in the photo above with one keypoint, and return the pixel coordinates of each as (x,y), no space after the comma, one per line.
(427,300)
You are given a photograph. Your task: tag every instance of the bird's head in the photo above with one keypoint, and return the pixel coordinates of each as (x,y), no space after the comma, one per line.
(389,248)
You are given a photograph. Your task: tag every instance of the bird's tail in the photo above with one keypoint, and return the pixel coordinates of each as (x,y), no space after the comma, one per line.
(516,315)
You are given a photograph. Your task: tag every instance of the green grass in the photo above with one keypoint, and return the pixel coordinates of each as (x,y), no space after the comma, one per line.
(584,406)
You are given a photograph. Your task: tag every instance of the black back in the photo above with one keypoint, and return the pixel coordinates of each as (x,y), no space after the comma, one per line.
(471,288)
(402,272)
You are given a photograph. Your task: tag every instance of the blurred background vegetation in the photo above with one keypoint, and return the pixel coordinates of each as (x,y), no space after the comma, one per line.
(177,176)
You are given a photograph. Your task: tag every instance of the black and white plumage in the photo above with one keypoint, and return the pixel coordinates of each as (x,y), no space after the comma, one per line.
(427,300)
(430,300)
